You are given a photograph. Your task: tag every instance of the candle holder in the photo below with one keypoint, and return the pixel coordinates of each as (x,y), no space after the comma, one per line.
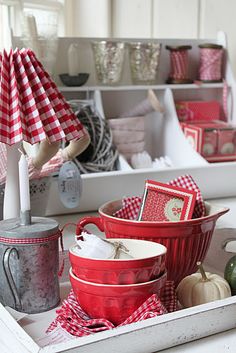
(25,218)
(144,62)
(29,254)
(109,61)
(74,81)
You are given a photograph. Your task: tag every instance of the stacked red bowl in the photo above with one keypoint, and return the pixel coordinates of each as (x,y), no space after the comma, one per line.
(186,241)
(114,288)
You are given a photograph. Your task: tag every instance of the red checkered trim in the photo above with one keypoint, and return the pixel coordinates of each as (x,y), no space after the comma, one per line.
(75,321)
(25,241)
(31,107)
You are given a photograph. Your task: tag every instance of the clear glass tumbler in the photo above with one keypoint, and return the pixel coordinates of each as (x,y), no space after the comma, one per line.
(144,61)
(109,60)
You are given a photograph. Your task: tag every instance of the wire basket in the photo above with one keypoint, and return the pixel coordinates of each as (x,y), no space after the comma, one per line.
(101,155)
(39,191)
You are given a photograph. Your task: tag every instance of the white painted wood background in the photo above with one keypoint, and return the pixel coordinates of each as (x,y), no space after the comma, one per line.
(153,19)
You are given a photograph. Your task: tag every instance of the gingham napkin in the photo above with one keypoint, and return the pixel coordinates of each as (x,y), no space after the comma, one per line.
(130,208)
(31,107)
(187,182)
(131,205)
(74,320)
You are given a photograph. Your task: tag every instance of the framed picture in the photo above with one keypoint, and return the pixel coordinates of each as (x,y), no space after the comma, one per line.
(163,202)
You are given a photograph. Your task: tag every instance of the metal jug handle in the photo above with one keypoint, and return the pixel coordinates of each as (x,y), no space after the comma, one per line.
(8,274)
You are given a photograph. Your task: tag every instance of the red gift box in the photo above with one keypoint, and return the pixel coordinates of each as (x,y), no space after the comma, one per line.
(215,141)
(198,110)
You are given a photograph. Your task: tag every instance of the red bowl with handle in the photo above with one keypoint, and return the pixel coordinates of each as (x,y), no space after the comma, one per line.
(148,263)
(113,302)
(186,241)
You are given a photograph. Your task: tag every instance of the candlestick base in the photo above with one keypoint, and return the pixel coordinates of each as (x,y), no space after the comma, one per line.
(25,218)
(77,80)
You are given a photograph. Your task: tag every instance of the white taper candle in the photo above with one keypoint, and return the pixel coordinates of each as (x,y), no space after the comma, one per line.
(73,60)
(24,184)
(11,204)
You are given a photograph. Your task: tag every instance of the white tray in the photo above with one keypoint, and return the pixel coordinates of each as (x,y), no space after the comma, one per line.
(144,337)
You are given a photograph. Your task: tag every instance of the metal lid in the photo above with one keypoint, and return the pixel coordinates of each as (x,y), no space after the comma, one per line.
(210,46)
(179,47)
(41,227)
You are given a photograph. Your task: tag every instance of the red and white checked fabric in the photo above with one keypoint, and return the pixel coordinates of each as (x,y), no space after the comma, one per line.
(210,68)
(74,320)
(130,208)
(187,182)
(131,205)
(31,107)
(179,64)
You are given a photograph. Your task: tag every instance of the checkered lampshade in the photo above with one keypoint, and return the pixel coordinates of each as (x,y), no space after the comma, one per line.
(31,107)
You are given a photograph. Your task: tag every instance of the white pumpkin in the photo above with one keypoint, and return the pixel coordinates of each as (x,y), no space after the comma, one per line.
(202,287)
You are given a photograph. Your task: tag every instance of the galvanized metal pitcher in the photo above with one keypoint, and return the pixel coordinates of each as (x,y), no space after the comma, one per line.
(29,262)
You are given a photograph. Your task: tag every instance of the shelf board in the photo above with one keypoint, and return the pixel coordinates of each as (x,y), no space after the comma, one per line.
(140,87)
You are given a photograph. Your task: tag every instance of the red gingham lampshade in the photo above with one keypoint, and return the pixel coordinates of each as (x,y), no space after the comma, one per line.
(31,107)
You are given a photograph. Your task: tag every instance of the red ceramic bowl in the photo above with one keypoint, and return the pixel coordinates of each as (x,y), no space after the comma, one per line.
(186,241)
(113,302)
(147,264)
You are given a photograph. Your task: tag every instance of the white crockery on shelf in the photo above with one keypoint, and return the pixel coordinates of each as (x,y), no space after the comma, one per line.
(141,160)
